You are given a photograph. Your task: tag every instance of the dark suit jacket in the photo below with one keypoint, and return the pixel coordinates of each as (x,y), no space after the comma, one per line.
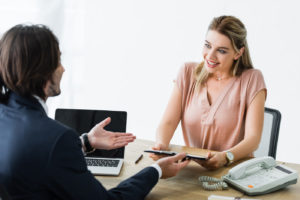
(42,159)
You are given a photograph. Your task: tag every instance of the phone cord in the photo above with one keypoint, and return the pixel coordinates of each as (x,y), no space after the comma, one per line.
(211,183)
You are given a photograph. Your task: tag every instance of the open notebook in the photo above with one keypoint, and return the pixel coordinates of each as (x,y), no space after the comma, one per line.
(102,162)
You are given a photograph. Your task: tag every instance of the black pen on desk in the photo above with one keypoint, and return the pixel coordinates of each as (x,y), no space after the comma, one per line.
(138,159)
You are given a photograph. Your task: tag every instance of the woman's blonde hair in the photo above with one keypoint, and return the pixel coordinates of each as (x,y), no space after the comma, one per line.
(235,30)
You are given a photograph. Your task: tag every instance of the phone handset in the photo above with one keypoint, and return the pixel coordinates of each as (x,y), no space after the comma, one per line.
(251,166)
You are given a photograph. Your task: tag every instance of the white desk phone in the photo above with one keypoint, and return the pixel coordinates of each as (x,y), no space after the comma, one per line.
(254,177)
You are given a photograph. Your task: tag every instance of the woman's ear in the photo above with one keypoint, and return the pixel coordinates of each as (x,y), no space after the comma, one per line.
(239,53)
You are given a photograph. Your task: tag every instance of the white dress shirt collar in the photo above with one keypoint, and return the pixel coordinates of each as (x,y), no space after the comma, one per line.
(42,102)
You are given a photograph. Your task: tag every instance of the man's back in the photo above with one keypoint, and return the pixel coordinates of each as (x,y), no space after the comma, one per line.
(42,159)
(28,137)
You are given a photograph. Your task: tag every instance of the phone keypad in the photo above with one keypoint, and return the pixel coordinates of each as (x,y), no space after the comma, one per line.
(261,177)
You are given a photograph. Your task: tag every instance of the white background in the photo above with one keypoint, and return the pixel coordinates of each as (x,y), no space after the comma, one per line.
(124,54)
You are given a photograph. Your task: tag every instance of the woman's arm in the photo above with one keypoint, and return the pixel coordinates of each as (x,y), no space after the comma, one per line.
(169,121)
(253,127)
(253,130)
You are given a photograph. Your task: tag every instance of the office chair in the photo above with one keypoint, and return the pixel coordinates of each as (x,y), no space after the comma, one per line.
(3,193)
(269,138)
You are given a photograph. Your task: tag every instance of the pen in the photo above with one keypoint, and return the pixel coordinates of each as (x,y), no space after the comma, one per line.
(138,159)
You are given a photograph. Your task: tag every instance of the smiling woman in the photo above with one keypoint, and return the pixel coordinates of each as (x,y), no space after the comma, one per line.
(220,102)
(219,55)
(226,40)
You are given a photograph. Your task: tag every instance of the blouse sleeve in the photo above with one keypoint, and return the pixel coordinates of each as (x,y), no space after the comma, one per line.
(185,76)
(185,80)
(180,80)
(255,84)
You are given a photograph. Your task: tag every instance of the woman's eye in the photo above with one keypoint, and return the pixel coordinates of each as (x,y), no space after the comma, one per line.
(222,51)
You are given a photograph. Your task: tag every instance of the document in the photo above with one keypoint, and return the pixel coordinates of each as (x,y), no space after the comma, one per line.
(217,197)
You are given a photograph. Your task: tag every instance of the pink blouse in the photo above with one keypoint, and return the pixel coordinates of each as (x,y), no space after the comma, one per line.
(221,125)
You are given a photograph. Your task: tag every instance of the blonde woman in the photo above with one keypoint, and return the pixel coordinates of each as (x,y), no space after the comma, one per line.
(219,102)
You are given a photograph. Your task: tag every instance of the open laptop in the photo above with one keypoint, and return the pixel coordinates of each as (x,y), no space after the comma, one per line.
(100,162)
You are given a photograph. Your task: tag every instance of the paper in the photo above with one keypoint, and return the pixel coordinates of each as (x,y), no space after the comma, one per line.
(216,197)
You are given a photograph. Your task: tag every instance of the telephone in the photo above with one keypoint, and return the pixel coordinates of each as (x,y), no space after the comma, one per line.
(260,176)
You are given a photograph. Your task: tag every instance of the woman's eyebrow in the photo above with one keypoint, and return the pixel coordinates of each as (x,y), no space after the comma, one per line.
(226,48)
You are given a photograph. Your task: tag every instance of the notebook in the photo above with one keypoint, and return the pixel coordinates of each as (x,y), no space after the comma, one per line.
(100,162)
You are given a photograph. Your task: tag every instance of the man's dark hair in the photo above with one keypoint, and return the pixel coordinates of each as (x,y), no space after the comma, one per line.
(29,55)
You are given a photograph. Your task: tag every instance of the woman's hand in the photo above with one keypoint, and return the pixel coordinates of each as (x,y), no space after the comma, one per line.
(214,160)
(158,147)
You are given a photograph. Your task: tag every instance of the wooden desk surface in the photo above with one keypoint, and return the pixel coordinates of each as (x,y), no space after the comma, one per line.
(185,185)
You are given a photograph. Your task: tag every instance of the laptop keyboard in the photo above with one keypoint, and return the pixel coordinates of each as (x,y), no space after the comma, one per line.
(100,162)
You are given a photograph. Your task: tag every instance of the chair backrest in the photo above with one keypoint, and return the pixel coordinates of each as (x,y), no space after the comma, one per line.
(269,138)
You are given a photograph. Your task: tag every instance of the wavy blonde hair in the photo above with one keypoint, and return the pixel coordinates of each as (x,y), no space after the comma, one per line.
(235,30)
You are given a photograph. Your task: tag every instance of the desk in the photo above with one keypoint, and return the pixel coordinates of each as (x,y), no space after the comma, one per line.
(185,185)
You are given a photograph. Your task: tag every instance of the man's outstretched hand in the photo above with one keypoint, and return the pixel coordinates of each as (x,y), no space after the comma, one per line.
(170,166)
(99,138)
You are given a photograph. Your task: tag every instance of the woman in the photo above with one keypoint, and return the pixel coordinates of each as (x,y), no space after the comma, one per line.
(220,102)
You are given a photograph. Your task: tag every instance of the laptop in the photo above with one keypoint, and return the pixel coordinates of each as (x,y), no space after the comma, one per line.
(99,162)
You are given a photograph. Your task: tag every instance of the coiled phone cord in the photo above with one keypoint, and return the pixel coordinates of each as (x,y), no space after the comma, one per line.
(211,183)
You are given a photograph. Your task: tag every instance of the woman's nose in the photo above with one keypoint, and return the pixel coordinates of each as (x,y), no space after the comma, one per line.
(211,55)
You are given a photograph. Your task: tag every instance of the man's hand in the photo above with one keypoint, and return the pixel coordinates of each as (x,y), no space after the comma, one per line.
(170,166)
(99,138)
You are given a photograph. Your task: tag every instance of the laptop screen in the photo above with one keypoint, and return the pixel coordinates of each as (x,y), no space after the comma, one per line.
(84,120)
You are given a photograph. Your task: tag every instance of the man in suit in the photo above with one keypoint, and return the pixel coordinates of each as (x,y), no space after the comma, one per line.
(41,158)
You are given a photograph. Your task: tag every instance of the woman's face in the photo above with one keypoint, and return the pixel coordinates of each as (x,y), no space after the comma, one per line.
(218,53)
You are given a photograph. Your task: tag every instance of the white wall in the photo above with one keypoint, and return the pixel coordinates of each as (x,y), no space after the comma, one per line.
(124,54)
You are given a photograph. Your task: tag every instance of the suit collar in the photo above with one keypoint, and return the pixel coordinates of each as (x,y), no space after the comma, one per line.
(42,102)
(17,101)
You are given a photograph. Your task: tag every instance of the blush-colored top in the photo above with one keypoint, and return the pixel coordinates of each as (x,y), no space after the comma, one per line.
(221,125)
